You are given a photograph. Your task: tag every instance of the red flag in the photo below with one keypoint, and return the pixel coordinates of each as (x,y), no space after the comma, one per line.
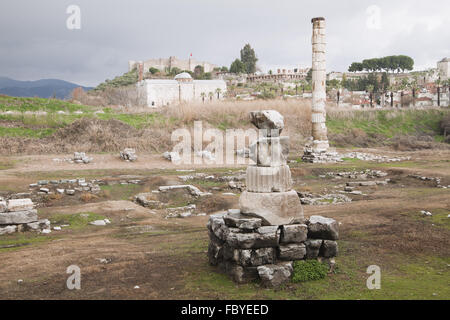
(191,54)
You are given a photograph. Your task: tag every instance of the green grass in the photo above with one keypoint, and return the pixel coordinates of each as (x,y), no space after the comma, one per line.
(25,132)
(121,191)
(75,221)
(138,121)
(402,277)
(6,164)
(206,183)
(16,241)
(389,123)
(309,270)
(40,104)
(439,216)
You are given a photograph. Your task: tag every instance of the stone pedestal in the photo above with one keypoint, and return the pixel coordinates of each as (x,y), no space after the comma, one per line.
(266,253)
(275,208)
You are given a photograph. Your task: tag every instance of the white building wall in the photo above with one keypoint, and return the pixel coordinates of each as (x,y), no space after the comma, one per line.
(208,86)
(186,91)
(157,93)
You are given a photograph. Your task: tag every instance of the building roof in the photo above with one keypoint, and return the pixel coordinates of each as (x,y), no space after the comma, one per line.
(183,75)
(445,60)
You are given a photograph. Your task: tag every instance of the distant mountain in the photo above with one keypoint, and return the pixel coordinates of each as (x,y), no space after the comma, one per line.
(45,88)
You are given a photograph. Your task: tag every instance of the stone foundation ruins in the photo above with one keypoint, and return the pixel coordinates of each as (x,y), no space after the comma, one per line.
(263,238)
(17,215)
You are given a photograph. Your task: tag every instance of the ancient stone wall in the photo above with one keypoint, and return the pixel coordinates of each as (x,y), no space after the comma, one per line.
(172,62)
(17,215)
(245,250)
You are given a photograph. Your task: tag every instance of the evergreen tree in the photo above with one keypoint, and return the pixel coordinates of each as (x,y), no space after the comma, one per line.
(248,58)
(237,67)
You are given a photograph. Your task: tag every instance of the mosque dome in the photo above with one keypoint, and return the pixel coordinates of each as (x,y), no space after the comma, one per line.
(184,76)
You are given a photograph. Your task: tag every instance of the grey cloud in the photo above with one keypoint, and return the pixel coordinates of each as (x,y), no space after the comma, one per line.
(34,42)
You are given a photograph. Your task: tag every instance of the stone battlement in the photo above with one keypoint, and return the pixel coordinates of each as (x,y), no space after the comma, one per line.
(172,62)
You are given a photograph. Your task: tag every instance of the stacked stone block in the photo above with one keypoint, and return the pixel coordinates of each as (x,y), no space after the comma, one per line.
(18,215)
(246,250)
(269,195)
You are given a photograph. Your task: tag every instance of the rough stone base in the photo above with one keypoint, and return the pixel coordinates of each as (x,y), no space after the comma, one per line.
(266,253)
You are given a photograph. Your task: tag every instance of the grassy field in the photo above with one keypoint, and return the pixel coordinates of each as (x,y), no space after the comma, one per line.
(52,120)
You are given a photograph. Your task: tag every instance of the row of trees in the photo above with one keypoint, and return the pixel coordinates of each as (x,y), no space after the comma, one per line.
(389,63)
(371,81)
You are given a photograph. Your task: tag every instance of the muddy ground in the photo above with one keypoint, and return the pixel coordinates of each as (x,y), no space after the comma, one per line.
(166,258)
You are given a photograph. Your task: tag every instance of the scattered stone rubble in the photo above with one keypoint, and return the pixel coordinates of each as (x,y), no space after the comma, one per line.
(234,181)
(311,199)
(205,154)
(128,154)
(245,153)
(19,215)
(426,213)
(102,222)
(193,190)
(263,238)
(172,156)
(373,157)
(80,157)
(312,155)
(437,180)
(65,186)
(68,187)
(148,200)
(246,250)
(361,175)
(181,212)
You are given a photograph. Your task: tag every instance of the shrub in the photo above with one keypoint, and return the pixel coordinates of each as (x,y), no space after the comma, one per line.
(309,270)
(153,70)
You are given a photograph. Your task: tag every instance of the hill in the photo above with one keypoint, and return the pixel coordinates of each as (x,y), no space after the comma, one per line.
(44,88)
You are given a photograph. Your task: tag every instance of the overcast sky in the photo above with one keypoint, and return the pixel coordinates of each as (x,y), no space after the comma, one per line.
(35,42)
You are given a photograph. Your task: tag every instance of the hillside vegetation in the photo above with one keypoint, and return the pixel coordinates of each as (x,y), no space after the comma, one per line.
(33,125)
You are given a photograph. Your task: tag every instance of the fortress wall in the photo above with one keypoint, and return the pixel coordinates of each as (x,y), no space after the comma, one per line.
(172,62)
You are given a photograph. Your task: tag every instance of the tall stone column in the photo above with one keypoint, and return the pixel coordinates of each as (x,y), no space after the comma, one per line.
(318,116)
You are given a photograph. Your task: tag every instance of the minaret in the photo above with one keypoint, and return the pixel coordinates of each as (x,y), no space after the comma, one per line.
(318,115)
